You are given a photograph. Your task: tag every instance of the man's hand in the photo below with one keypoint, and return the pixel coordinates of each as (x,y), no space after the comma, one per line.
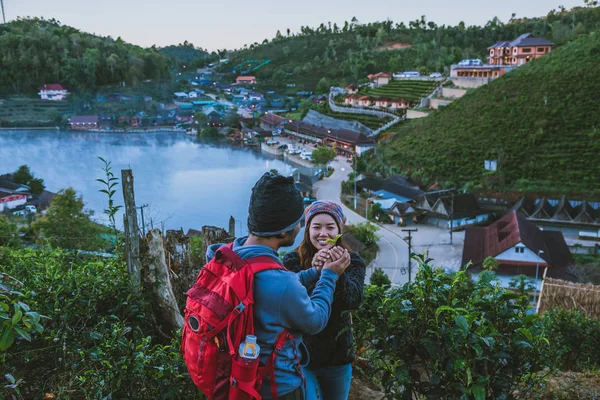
(340,264)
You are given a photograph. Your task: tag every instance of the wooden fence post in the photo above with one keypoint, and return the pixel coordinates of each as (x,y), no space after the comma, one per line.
(132,237)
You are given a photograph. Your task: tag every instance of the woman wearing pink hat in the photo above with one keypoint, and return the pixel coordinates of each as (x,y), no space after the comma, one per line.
(331,350)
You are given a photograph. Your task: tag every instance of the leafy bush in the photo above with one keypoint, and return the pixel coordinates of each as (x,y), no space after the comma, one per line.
(366,232)
(574,339)
(380,278)
(443,336)
(98,340)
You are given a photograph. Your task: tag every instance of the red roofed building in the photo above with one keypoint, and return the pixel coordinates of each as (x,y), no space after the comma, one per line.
(52,91)
(245,80)
(380,78)
(10,200)
(270,121)
(520,247)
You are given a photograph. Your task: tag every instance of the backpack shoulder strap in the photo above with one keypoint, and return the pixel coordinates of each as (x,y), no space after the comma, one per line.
(263,263)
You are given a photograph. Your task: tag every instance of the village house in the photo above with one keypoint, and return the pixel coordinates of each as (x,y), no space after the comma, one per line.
(304,131)
(348,142)
(352,88)
(10,200)
(105,121)
(245,80)
(364,101)
(380,79)
(397,187)
(135,121)
(184,116)
(520,248)
(391,103)
(447,208)
(52,91)
(180,95)
(84,122)
(576,218)
(271,121)
(503,57)
(520,51)
(215,119)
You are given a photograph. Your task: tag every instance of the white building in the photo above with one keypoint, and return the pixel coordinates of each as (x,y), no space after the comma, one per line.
(52,91)
(8,201)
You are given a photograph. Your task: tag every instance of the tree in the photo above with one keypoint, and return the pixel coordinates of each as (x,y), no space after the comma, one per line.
(8,232)
(22,175)
(380,278)
(323,155)
(200,119)
(323,85)
(36,186)
(68,225)
(286,51)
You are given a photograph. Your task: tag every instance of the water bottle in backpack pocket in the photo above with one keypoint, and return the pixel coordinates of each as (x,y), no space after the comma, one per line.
(244,369)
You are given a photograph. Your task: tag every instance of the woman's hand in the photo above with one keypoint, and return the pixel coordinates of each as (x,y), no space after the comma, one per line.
(320,258)
(336,252)
(339,265)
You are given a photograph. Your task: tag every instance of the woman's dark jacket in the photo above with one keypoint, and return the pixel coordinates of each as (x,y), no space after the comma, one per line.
(329,347)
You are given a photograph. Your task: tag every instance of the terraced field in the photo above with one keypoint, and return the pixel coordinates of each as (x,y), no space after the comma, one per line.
(411,90)
(31,112)
(370,121)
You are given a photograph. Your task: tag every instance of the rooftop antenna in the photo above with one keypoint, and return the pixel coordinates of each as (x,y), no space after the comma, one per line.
(3,15)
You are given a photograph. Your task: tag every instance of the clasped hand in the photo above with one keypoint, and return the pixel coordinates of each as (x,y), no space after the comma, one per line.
(336,259)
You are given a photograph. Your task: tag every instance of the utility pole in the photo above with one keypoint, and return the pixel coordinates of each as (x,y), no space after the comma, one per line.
(141,208)
(451,216)
(355,179)
(410,231)
(537,268)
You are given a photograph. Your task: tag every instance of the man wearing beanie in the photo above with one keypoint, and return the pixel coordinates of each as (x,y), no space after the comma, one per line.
(280,300)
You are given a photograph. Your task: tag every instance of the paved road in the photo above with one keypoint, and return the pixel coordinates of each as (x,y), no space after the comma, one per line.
(393,251)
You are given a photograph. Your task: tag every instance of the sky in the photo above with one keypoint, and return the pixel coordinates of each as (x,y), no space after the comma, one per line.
(230,24)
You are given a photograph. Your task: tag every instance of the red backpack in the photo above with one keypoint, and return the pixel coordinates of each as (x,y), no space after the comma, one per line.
(218,316)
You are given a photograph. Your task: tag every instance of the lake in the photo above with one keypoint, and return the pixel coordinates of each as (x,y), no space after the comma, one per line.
(185,183)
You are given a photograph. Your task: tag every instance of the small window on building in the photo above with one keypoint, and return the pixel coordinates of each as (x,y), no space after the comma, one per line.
(526,50)
(490,165)
(541,49)
(519,249)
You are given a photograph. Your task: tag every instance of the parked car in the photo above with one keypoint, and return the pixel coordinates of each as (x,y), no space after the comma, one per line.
(410,74)
(295,151)
(306,156)
(272,142)
(435,75)
(470,62)
(282,147)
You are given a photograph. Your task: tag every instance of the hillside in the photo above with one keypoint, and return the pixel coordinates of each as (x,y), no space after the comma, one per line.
(185,54)
(342,54)
(540,122)
(37,51)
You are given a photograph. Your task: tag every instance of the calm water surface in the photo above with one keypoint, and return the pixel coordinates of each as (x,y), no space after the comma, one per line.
(186,183)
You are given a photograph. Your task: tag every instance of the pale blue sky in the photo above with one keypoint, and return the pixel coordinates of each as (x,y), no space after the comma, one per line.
(233,23)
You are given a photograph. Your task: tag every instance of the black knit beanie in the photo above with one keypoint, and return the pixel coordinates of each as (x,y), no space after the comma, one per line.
(276,206)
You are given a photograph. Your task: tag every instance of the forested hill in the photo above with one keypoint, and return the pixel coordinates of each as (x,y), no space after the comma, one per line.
(347,53)
(185,54)
(37,51)
(541,122)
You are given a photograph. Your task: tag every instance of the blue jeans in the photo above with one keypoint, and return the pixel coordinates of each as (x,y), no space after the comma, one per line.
(328,383)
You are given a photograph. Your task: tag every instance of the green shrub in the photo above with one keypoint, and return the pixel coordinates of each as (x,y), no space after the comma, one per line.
(443,336)
(574,340)
(366,232)
(380,278)
(98,340)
